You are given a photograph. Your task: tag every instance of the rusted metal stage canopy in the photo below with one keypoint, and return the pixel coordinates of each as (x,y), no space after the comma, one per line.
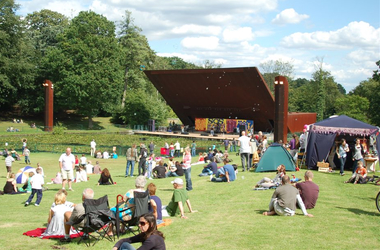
(229,93)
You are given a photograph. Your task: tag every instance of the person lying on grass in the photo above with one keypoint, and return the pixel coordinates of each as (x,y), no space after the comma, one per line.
(276,181)
(284,200)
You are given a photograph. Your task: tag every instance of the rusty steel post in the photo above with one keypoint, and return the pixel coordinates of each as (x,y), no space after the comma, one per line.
(281,92)
(49,89)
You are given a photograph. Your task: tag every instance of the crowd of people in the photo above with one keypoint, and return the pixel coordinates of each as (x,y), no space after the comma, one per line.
(63,215)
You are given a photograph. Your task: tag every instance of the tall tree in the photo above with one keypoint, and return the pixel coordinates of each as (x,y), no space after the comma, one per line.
(16,66)
(136,55)
(318,77)
(354,106)
(271,69)
(86,66)
(42,30)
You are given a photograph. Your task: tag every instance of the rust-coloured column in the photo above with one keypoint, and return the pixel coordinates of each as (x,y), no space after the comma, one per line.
(49,89)
(281,92)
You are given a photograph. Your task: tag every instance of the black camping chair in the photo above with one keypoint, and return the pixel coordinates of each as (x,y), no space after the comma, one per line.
(97,220)
(141,200)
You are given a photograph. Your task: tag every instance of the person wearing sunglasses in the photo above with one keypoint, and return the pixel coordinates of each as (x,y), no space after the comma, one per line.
(150,237)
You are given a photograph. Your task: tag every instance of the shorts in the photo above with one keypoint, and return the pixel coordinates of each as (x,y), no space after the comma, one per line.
(9,169)
(67,174)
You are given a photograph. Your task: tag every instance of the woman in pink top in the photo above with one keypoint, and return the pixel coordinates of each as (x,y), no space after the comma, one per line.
(187,168)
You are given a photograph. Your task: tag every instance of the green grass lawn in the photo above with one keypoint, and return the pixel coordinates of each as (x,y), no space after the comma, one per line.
(229,214)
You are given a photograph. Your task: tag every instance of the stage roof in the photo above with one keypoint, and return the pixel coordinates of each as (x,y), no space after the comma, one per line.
(229,93)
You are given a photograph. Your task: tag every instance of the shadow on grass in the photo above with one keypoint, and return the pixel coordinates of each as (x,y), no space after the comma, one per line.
(359,211)
(167,189)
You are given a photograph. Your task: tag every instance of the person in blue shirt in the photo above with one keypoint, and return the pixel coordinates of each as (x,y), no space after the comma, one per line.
(226,173)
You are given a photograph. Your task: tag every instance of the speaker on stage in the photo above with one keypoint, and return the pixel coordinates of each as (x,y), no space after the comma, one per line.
(175,132)
(241,128)
(184,133)
(203,134)
(151,125)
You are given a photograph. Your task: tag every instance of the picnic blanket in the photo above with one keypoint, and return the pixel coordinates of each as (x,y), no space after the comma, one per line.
(39,231)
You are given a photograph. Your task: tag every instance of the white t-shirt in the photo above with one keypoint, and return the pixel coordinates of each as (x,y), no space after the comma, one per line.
(244,144)
(37,181)
(83,160)
(177,146)
(67,161)
(93,144)
(89,168)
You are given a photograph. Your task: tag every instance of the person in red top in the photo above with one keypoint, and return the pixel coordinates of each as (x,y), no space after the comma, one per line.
(309,191)
(360,175)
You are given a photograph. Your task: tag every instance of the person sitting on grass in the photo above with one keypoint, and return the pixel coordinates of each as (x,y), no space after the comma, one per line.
(10,186)
(226,173)
(284,200)
(97,168)
(308,190)
(276,181)
(105,178)
(360,175)
(60,206)
(179,198)
(172,169)
(160,171)
(149,236)
(155,205)
(210,169)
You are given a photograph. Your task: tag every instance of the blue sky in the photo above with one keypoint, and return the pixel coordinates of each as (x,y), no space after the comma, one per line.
(244,33)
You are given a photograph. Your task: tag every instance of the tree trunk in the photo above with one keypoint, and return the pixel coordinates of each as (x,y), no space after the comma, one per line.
(90,122)
(125,87)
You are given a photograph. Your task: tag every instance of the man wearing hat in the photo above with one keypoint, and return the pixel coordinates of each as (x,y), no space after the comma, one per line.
(179,198)
(142,158)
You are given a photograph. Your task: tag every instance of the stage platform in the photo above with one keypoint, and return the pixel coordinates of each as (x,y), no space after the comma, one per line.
(199,135)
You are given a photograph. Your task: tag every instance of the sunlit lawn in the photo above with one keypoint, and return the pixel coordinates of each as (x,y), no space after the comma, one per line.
(229,215)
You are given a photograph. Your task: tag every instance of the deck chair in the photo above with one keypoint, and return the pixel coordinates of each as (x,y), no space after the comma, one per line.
(97,219)
(301,157)
(141,200)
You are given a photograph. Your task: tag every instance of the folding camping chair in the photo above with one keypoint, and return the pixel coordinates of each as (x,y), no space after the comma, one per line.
(301,158)
(97,220)
(141,201)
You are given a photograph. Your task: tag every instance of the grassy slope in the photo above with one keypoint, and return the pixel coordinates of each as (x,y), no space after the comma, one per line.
(229,214)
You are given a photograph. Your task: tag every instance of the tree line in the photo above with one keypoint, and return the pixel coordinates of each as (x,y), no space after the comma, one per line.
(97,65)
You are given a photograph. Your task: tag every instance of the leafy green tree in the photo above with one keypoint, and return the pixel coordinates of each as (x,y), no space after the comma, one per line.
(42,30)
(86,66)
(16,67)
(354,106)
(271,69)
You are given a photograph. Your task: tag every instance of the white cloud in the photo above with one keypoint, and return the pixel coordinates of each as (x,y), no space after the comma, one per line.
(355,34)
(203,43)
(197,29)
(289,16)
(236,34)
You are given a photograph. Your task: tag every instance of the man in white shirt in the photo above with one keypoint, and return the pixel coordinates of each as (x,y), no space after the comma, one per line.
(93,147)
(8,164)
(245,149)
(177,148)
(67,165)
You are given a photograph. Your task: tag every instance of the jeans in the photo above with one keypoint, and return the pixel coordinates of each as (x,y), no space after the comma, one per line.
(132,164)
(206,172)
(178,152)
(342,162)
(233,148)
(27,160)
(39,196)
(172,153)
(170,173)
(219,179)
(126,246)
(244,160)
(149,170)
(142,164)
(193,152)
(189,185)
(355,165)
